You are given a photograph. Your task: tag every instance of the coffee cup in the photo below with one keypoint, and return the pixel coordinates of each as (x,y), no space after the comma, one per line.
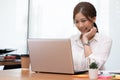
(25,61)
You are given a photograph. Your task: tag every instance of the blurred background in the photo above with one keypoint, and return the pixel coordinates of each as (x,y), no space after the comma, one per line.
(23,19)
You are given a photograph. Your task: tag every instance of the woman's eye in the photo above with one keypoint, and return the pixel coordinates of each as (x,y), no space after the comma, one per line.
(83,21)
(76,22)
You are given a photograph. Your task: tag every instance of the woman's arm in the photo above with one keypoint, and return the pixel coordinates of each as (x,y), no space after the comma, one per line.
(101,51)
(85,40)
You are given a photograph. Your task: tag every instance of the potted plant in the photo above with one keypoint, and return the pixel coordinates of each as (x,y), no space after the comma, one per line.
(93,70)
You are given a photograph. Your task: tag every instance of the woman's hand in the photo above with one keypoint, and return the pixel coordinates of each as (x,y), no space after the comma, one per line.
(87,36)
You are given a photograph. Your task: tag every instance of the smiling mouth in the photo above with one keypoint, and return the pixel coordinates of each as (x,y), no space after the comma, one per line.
(86,30)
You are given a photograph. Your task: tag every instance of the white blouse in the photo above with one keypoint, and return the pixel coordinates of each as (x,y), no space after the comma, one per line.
(100,45)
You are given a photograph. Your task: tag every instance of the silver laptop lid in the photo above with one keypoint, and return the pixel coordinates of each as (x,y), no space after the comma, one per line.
(51,55)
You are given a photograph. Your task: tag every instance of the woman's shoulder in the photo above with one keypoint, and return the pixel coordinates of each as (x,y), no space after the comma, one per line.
(103,37)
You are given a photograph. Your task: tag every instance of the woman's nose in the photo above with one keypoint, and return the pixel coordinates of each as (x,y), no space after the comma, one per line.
(80,24)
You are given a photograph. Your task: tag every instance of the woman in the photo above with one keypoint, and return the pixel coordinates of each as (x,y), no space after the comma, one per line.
(90,44)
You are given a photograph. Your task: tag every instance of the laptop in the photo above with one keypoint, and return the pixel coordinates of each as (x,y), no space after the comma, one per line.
(51,55)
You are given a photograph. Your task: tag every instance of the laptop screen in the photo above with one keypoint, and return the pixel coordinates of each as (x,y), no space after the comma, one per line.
(51,55)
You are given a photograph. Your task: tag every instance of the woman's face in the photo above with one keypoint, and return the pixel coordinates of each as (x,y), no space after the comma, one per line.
(82,23)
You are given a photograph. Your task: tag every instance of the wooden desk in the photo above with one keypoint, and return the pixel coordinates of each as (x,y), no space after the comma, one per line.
(22,74)
(15,62)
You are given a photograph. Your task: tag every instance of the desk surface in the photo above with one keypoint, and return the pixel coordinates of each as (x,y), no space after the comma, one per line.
(23,74)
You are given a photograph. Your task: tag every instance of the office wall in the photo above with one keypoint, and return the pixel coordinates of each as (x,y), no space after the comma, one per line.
(13,24)
(51,18)
(114,24)
(7,20)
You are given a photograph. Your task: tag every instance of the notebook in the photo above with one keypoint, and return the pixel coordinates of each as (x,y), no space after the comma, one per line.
(51,55)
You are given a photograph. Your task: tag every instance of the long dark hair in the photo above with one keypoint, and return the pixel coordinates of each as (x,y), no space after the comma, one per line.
(87,9)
